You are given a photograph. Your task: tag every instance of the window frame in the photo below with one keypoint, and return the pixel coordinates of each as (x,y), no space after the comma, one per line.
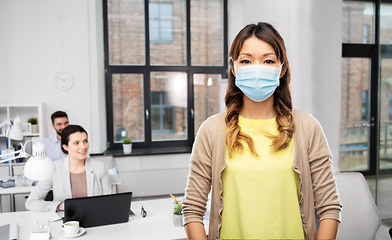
(146,70)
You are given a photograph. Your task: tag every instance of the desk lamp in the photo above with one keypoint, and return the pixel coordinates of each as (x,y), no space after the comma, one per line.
(15,131)
(39,166)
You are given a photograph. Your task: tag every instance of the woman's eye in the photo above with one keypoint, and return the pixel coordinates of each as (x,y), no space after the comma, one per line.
(245,61)
(76,143)
(85,141)
(269,61)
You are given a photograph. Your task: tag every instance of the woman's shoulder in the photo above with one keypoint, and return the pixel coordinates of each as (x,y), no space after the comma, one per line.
(213,122)
(300,114)
(304,118)
(95,161)
(96,164)
(59,163)
(216,118)
(306,124)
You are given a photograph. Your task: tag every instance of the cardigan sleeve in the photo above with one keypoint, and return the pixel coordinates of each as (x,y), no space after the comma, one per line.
(200,176)
(36,200)
(325,192)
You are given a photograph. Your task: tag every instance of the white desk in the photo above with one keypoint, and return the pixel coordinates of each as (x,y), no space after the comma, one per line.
(18,188)
(151,227)
(15,190)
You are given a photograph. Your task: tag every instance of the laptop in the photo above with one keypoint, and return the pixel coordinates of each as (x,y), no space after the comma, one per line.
(98,210)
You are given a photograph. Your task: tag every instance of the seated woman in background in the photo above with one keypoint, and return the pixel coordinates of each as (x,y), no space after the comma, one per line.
(76,175)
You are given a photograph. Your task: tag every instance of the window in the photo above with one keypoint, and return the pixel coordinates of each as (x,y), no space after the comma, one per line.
(359,87)
(161,22)
(366,111)
(358,19)
(164,63)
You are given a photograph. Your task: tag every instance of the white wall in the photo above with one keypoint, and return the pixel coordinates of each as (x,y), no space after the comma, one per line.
(31,55)
(312,33)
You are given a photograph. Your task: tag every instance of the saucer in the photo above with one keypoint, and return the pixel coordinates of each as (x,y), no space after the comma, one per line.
(64,235)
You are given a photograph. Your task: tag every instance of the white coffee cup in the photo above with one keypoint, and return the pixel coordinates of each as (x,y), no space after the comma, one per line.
(70,227)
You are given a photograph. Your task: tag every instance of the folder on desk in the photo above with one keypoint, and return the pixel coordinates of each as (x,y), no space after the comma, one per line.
(98,210)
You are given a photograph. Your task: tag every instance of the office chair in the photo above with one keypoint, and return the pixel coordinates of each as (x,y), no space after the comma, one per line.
(360,216)
(49,196)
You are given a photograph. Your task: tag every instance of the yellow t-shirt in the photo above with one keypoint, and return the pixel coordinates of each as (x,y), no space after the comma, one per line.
(261,194)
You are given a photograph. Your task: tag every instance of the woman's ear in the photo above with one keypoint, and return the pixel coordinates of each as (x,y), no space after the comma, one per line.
(282,71)
(232,68)
(65,147)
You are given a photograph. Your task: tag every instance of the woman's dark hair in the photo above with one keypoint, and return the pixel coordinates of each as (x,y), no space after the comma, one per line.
(282,95)
(67,131)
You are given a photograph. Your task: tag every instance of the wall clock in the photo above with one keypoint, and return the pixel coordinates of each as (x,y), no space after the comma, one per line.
(63,80)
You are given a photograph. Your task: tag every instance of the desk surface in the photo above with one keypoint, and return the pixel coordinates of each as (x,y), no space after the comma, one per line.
(158,224)
(18,187)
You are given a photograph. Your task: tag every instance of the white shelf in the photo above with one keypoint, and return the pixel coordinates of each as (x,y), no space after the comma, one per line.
(31,134)
(24,111)
(25,135)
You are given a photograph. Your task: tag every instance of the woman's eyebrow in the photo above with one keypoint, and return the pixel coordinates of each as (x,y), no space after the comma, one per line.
(267,54)
(264,55)
(247,54)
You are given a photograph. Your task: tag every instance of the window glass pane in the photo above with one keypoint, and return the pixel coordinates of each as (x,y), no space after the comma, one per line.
(386,114)
(126,32)
(154,30)
(386,24)
(207,97)
(358,21)
(207,32)
(169,48)
(155,118)
(156,98)
(354,121)
(166,10)
(166,30)
(153,10)
(169,116)
(128,107)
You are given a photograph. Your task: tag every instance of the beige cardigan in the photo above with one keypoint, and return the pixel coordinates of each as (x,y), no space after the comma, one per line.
(312,161)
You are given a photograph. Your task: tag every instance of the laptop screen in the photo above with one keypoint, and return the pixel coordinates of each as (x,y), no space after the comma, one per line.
(98,210)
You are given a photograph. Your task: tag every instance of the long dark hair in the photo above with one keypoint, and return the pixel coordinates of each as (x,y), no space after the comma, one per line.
(282,95)
(67,131)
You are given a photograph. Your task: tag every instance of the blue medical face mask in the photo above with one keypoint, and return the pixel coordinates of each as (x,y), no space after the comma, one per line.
(257,82)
